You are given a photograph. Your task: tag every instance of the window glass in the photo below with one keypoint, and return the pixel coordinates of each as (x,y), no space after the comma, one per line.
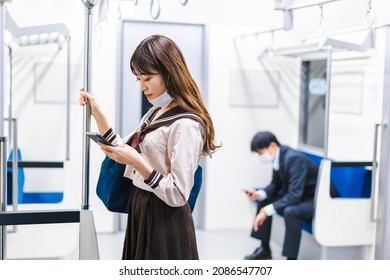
(313,95)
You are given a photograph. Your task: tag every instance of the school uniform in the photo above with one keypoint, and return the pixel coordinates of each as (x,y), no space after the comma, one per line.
(160,224)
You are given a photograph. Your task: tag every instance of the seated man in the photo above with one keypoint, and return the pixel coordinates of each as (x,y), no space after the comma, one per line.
(291,193)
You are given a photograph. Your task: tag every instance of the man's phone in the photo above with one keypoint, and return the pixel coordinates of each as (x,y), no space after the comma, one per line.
(98,138)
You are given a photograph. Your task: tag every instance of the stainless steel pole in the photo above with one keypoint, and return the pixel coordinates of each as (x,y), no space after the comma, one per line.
(374,173)
(10,97)
(86,111)
(88,247)
(15,169)
(67,156)
(327,102)
(3,195)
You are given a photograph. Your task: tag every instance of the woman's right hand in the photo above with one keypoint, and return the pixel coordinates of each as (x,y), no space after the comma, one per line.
(94,105)
(96,112)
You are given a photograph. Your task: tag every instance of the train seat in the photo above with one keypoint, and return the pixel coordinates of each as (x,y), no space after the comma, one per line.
(348,180)
(345,220)
(28,197)
(342,226)
(47,241)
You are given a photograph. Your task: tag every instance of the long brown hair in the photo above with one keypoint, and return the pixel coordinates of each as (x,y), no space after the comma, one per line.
(160,54)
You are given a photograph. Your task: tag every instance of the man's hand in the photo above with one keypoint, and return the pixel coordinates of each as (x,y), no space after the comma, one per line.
(259,220)
(252,194)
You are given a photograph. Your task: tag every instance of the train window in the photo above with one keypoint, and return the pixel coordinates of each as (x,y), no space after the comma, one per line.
(313,95)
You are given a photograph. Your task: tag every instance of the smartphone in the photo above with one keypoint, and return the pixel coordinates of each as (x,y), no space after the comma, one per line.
(98,138)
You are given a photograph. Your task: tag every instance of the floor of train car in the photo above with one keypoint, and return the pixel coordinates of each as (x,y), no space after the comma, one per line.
(212,245)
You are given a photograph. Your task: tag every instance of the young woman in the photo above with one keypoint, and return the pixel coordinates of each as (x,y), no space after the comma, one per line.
(162,154)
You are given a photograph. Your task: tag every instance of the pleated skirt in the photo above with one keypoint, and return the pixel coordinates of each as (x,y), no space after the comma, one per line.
(156,231)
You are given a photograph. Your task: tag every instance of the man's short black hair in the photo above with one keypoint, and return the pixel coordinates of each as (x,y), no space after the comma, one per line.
(262,140)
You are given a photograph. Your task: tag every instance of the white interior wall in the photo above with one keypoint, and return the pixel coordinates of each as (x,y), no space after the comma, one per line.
(235,167)
(351,134)
(226,206)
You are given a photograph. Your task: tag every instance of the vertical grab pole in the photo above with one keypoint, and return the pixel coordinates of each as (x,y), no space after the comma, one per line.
(15,169)
(68,73)
(88,247)
(374,199)
(327,102)
(86,110)
(3,195)
(374,196)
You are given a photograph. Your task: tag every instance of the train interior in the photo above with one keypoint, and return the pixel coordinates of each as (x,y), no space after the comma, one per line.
(313,72)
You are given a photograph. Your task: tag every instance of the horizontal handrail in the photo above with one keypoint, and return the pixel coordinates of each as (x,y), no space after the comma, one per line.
(305,5)
(39,217)
(38,164)
(350,163)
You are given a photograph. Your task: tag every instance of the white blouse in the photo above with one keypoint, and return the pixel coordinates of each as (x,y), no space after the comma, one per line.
(174,152)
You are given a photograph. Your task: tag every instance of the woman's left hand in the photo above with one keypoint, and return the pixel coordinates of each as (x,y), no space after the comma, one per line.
(126,154)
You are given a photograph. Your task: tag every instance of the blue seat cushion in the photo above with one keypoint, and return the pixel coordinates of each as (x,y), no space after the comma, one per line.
(352,182)
(349,181)
(42,197)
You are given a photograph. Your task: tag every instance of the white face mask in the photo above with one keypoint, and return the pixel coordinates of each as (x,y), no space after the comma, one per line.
(267,158)
(163,100)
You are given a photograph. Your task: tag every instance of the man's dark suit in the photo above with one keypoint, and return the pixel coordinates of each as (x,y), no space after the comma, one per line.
(292,194)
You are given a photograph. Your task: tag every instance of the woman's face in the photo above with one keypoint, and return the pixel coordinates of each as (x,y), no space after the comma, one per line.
(152,85)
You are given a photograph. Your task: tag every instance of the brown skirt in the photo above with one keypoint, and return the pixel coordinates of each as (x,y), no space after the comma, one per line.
(156,231)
